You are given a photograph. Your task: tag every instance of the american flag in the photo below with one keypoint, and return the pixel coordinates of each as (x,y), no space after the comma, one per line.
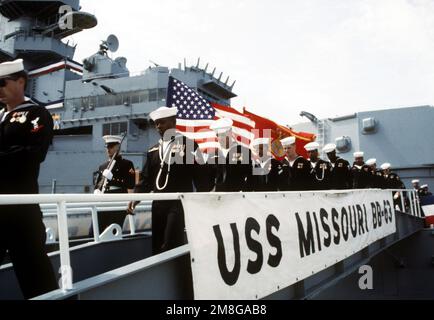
(196,114)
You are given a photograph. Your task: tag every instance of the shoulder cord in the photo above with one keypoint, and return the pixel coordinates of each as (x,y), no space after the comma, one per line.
(323,174)
(163,158)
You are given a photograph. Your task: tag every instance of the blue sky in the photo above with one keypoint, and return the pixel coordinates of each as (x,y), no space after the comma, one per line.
(327,57)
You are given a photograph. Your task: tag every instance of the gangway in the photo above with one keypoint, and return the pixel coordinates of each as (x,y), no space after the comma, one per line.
(123,268)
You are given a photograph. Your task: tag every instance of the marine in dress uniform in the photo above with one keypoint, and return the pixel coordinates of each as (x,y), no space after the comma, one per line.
(296,171)
(340,176)
(321,170)
(121,179)
(265,167)
(360,172)
(26,131)
(232,163)
(172,165)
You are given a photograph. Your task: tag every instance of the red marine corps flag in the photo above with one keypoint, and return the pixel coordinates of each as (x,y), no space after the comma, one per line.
(279,132)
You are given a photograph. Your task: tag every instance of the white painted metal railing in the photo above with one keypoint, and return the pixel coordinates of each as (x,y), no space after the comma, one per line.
(60,200)
(64,203)
(413,201)
(92,208)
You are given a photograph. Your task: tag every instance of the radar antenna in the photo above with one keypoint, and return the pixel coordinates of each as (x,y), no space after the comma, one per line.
(111,44)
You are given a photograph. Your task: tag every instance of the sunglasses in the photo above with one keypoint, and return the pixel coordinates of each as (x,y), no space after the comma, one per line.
(3,82)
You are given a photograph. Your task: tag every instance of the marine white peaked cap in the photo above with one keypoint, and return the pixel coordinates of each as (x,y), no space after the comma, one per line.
(424,186)
(329,148)
(371,161)
(163,112)
(312,146)
(288,141)
(112,139)
(11,67)
(358,154)
(386,166)
(222,125)
(415,181)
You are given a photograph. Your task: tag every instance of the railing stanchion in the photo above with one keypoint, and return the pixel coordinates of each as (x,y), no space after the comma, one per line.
(411,202)
(132,221)
(65,261)
(401,194)
(95,224)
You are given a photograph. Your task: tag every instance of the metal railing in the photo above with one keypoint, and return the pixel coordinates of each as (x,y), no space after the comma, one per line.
(408,200)
(62,204)
(92,208)
(60,201)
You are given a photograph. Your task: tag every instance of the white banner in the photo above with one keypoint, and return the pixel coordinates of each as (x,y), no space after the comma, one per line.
(247,246)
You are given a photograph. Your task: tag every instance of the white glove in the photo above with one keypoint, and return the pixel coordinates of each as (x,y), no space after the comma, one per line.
(107,174)
(97,191)
(396,196)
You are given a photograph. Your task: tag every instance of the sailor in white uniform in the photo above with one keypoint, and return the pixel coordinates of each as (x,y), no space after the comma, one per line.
(295,173)
(265,167)
(340,177)
(321,169)
(172,165)
(232,162)
(360,171)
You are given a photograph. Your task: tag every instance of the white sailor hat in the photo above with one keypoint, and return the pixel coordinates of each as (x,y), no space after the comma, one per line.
(11,67)
(287,141)
(222,125)
(329,148)
(260,141)
(112,139)
(415,181)
(385,166)
(311,146)
(371,162)
(358,154)
(424,186)
(163,112)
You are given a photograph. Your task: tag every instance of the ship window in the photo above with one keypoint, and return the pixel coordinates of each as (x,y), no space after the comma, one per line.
(135,97)
(153,95)
(84,102)
(75,103)
(162,93)
(92,102)
(69,103)
(126,100)
(78,131)
(116,128)
(104,101)
(144,96)
(123,127)
(118,99)
(111,101)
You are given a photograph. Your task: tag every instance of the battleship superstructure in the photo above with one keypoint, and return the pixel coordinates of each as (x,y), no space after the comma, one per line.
(91,99)
(398,136)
